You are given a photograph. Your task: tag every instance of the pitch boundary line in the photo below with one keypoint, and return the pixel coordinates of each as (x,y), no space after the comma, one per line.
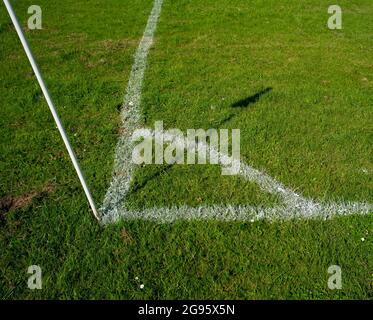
(113,208)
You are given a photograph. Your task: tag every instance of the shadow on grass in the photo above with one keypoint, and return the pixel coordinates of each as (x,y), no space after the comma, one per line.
(139,185)
(244,103)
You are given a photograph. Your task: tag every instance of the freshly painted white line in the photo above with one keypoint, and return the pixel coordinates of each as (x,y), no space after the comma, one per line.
(236,213)
(114,207)
(123,165)
(294,206)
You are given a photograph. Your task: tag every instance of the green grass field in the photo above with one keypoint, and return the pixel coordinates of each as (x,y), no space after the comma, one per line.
(311,129)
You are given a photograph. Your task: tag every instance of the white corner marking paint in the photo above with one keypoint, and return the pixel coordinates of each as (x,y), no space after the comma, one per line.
(294,206)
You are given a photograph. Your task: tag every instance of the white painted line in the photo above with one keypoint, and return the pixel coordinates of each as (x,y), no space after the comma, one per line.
(123,165)
(114,208)
(236,213)
(294,206)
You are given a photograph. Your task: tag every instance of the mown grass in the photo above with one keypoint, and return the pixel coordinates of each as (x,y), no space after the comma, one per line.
(312,131)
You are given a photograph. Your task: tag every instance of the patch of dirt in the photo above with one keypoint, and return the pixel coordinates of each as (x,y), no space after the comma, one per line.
(111,45)
(126,237)
(122,130)
(95,54)
(8,204)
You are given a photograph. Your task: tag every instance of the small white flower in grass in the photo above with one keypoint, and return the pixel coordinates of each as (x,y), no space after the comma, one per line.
(142,286)
(136,278)
(362,239)
(252,220)
(130,104)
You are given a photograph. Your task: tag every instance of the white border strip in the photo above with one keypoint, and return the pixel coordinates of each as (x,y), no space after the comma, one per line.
(114,207)
(123,165)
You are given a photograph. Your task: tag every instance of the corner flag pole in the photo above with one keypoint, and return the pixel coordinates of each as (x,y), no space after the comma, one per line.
(52,108)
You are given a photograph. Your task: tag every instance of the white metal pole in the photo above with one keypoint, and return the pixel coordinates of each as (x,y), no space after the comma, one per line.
(51,106)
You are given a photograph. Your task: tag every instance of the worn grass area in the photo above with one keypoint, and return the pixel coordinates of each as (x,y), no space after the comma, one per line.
(312,131)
